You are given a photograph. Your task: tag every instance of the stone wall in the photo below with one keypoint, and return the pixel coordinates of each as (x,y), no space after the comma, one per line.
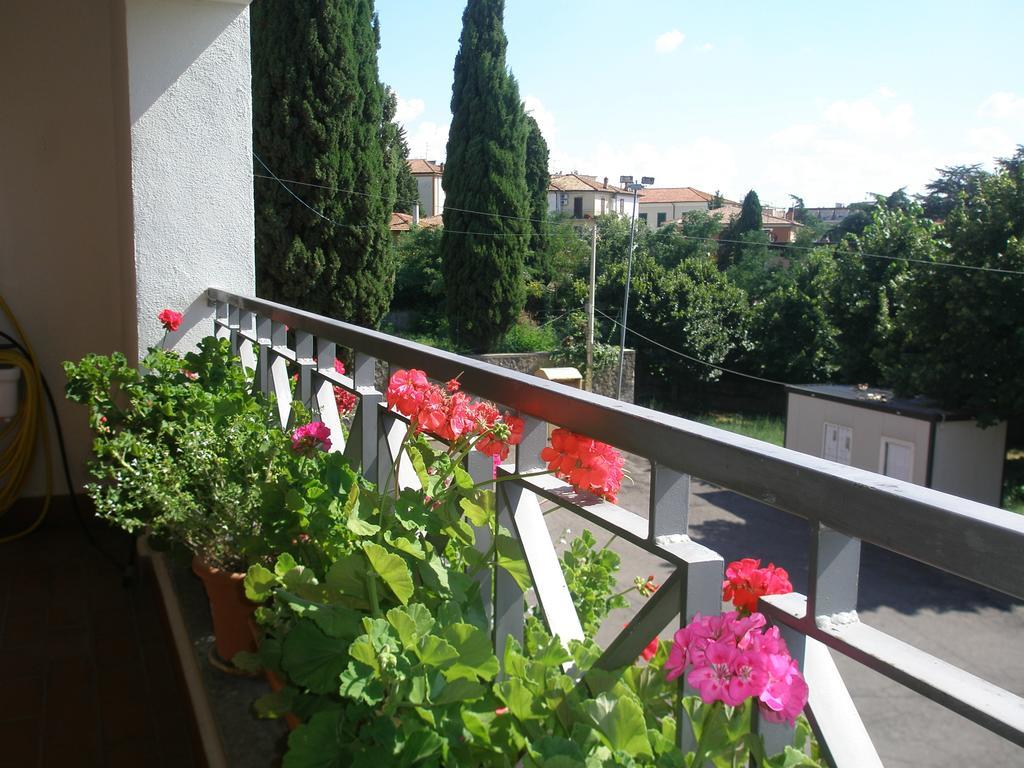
(605,381)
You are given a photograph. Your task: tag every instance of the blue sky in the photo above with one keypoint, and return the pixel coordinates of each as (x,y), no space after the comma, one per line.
(830,101)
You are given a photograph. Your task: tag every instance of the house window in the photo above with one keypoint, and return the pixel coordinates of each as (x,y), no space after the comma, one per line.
(836,443)
(661,218)
(577,207)
(643,217)
(604,206)
(621,206)
(896,459)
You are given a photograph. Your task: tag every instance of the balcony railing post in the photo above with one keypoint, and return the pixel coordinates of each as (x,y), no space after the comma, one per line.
(481,468)
(834,572)
(364,442)
(670,501)
(279,382)
(264,331)
(243,334)
(508,597)
(222,320)
(304,352)
(323,392)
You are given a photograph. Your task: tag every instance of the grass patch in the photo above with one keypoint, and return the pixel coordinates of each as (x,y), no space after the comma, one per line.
(1013,481)
(770,429)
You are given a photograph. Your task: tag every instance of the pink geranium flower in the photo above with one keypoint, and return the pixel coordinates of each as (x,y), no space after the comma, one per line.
(310,438)
(170,319)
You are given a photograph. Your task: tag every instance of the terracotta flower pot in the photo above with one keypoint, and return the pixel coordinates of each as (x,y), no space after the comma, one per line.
(229,608)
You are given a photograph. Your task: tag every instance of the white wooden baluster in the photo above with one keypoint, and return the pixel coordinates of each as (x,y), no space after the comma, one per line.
(323,393)
(279,382)
(363,440)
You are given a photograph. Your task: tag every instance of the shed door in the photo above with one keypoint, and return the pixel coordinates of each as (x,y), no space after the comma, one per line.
(897,459)
(837,442)
(577,207)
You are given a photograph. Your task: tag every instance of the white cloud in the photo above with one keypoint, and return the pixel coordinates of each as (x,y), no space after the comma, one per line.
(428,140)
(886,92)
(865,118)
(669,41)
(408,110)
(707,47)
(1002,105)
(544,117)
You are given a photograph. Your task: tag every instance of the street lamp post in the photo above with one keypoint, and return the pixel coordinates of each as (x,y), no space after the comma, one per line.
(634,188)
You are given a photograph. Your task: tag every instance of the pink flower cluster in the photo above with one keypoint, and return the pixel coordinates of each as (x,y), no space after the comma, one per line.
(734,658)
(585,463)
(450,414)
(310,438)
(745,581)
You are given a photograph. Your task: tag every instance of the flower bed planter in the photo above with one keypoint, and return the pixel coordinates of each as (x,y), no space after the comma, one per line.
(230,611)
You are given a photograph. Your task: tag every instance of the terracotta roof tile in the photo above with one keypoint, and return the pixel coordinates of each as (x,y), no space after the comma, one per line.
(578,182)
(420,166)
(402,222)
(673,195)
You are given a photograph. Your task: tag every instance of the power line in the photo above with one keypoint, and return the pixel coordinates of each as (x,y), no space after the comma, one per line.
(790,246)
(691,357)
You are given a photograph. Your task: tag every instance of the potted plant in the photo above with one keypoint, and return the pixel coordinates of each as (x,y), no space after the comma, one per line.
(386,655)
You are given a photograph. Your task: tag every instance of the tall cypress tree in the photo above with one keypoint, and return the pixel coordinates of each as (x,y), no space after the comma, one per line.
(318,116)
(485,171)
(537,181)
(396,156)
(749,220)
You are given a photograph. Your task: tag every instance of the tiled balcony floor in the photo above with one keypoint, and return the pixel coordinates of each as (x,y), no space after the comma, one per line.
(87,674)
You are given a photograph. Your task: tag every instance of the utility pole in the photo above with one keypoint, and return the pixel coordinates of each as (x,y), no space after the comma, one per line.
(589,381)
(634,188)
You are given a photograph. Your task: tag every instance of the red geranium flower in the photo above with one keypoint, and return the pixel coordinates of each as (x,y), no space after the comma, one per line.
(585,463)
(745,581)
(170,319)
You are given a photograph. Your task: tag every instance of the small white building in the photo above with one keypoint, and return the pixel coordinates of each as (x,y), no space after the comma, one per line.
(661,205)
(908,439)
(428,175)
(583,197)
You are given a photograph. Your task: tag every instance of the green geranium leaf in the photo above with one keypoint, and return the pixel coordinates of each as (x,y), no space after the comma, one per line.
(403,544)
(621,722)
(476,658)
(259,583)
(285,562)
(313,659)
(348,575)
(392,570)
(358,683)
(294,500)
(458,690)
(463,479)
(510,557)
(362,650)
(476,514)
(434,651)
(274,705)
(421,744)
(338,621)
(318,743)
(416,458)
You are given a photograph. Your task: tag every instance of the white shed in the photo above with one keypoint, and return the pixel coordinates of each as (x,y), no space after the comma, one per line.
(909,439)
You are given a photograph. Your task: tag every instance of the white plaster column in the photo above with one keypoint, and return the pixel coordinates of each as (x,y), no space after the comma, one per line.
(190,104)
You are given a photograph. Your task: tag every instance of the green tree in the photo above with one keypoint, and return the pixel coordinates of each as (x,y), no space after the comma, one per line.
(483,253)
(318,116)
(749,220)
(419,282)
(946,191)
(693,236)
(958,334)
(792,338)
(537,181)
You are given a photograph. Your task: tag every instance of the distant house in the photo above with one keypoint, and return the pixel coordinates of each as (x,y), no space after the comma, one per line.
(403,222)
(661,205)
(428,175)
(584,197)
(907,439)
(780,229)
(832,215)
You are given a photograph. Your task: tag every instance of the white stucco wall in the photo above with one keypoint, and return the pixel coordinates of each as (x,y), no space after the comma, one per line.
(672,211)
(805,426)
(191,141)
(969,460)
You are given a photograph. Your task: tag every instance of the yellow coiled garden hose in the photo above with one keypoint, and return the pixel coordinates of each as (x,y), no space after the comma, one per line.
(18,436)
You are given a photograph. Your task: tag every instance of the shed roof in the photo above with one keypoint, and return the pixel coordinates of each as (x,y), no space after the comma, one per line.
(673,195)
(578,182)
(402,222)
(420,166)
(878,399)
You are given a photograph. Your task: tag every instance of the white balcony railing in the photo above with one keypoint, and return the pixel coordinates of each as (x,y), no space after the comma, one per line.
(843,505)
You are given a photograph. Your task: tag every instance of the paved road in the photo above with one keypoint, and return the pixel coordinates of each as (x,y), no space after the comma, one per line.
(971,627)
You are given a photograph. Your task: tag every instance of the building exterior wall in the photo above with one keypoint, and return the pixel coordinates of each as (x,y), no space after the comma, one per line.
(191,158)
(64,266)
(672,211)
(968,460)
(782,234)
(805,425)
(431,195)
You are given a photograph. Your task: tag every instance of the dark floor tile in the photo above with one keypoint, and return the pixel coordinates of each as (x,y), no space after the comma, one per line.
(123,706)
(28,660)
(21,631)
(140,753)
(19,744)
(22,697)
